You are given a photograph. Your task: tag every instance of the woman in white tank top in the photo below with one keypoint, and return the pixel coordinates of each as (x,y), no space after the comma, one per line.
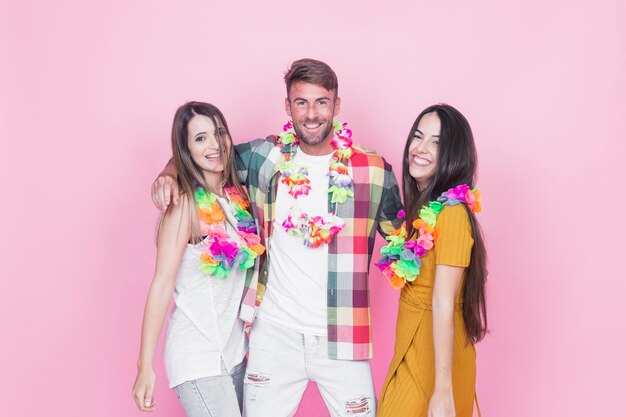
(206,246)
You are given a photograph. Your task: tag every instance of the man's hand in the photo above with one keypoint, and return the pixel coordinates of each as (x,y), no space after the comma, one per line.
(164,190)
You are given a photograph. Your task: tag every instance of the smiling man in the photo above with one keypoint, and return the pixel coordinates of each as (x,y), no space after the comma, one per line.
(319,201)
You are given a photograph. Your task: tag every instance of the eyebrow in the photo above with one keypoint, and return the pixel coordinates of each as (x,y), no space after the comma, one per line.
(199,133)
(417,131)
(317,99)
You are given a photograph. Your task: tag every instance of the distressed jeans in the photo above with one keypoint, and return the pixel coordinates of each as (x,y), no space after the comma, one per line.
(281,363)
(213,396)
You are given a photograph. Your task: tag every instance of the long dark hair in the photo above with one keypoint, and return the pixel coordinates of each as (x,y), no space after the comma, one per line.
(189,174)
(456,164)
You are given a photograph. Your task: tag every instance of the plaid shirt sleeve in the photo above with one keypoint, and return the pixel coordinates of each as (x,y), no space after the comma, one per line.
(245,154)
(390,204)
(255,170)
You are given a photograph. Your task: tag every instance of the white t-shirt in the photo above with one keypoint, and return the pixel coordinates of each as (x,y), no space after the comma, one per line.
(204,328)
(296,294)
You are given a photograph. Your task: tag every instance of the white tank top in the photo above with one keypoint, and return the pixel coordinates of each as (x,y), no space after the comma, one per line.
(204,327)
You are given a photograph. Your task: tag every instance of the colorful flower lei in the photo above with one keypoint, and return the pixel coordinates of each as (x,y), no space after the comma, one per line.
(401,261)
(295,176)
(223,253)
(317,230)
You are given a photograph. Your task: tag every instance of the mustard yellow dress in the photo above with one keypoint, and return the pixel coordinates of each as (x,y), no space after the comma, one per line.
(411,378)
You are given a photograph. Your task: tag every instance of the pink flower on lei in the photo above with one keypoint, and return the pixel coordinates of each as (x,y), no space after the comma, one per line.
(224,252)
(458,192)
(342,141)
(418,249)
(426,240)
(217,232)
(251,239)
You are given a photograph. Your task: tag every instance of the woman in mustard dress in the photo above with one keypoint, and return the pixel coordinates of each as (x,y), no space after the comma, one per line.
(439,263)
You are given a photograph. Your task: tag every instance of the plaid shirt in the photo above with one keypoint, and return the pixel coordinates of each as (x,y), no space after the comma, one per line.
(375,206)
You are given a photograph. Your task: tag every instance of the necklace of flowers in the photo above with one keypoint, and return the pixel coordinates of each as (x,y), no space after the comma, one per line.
(223,253)
(401,261)
(317,230)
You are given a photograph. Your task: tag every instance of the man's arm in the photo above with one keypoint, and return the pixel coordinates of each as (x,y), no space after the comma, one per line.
(390,204)
(165,188)
(245,152)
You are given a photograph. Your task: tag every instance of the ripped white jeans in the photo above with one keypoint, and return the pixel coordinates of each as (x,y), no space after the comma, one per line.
(281,362)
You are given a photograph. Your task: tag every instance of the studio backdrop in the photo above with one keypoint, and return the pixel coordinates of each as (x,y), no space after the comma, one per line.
(88,93)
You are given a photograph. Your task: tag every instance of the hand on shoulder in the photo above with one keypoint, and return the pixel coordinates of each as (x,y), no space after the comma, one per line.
(165,190)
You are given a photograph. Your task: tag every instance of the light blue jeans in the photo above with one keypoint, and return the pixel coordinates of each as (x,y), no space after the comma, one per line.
(214,396)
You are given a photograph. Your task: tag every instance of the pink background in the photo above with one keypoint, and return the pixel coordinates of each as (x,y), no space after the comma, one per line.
(88,93)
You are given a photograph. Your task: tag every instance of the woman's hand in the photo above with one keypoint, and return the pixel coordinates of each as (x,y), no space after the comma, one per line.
(442,404)
(143,390)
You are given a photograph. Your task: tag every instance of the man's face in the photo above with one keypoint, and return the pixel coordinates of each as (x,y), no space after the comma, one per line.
(312,109)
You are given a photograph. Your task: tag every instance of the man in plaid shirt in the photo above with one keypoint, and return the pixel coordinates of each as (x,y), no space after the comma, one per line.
(312,303)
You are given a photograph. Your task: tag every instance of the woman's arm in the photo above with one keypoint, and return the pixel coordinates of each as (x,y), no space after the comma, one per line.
(447,283)
(174,233)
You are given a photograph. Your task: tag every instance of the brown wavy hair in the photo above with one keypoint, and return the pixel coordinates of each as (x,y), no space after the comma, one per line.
(456,164)
(312,71)
(189,174)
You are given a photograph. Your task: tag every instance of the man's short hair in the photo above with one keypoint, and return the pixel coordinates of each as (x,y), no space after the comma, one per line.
(311,71)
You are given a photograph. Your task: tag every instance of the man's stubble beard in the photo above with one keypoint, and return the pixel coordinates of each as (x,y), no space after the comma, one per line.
(316,141)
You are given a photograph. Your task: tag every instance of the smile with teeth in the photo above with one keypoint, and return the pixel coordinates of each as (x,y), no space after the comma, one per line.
(420,161)
(213,156)
(312,126)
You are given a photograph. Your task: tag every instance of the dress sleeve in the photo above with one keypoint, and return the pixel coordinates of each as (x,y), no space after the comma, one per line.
(453,245)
